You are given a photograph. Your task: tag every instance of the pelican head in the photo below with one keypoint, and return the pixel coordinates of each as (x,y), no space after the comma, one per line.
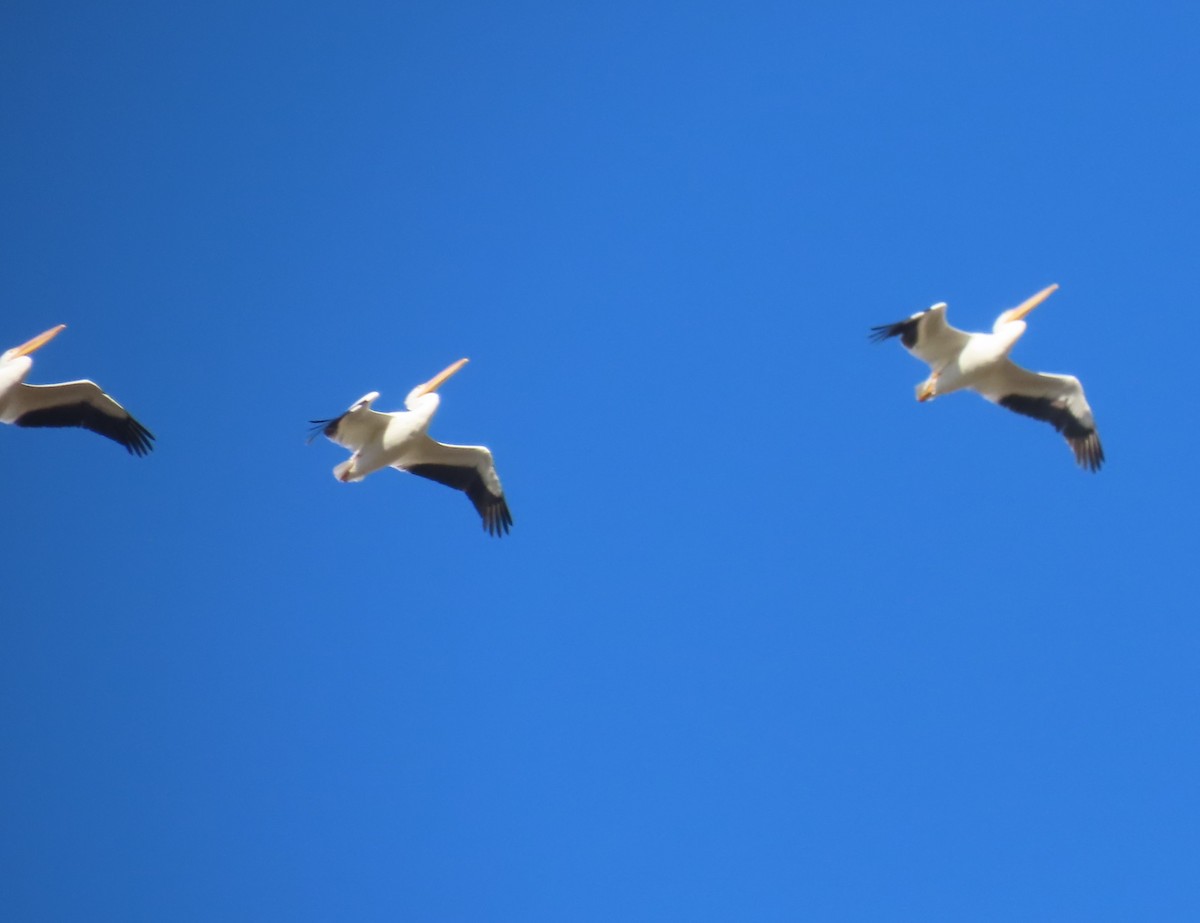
(428,389)
(1017,315)
(36,343)
(438,380)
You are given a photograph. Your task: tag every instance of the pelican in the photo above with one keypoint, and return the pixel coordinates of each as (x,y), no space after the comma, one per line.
(72,403)
(979,361)
(398,440)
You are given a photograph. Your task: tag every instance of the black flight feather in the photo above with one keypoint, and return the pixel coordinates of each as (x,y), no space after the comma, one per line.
(125,430)
(905,329)
(496,518)
(1083,439)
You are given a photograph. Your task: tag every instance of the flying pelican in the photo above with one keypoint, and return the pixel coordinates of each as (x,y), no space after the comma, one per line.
(72,403)
(979,361)
(398,440)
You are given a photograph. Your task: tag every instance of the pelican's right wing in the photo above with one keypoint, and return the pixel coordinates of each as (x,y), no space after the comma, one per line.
(468,468)
(76,403)
(1054,399)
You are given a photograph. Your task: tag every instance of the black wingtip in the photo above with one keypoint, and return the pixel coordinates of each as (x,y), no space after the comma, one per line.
(497,520)
(905,329)
(320,427)
(139,441)
(1089,453)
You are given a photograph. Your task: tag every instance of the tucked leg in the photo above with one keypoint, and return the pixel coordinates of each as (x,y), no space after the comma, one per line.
(927,390)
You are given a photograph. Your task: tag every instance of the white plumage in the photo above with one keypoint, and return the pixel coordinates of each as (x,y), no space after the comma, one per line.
(72,403)
(979,361)
(398,440)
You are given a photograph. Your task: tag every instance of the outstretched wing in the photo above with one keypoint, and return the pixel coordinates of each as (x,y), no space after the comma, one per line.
(1056,399)
(468,468)
(76,403)
(926,335)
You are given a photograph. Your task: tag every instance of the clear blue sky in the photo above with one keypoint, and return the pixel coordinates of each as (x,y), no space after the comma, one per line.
(769,640)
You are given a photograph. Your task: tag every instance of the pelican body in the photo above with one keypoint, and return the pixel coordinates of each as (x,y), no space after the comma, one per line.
(399,440)
(980,362)
(72,403)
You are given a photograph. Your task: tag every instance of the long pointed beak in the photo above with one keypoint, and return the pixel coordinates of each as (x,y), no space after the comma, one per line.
(440,378)
(1029,304)
(39,341)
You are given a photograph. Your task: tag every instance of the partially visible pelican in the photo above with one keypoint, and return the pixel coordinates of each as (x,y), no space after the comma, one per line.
(398,440)
(979,361)
(72,403)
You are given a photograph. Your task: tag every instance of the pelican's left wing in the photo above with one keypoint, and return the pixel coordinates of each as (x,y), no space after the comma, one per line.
(354,429)
(76,403)
(927,335)
(1056,399)
(468,468)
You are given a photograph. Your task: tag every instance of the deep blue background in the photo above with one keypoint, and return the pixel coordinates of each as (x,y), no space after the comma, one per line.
(769,640)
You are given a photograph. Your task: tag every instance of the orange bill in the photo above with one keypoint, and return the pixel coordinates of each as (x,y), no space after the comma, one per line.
(1029,304)
(440,378)
(39,341)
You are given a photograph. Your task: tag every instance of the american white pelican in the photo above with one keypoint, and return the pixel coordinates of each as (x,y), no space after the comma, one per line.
(72,403)
(398,440)
(979,361)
